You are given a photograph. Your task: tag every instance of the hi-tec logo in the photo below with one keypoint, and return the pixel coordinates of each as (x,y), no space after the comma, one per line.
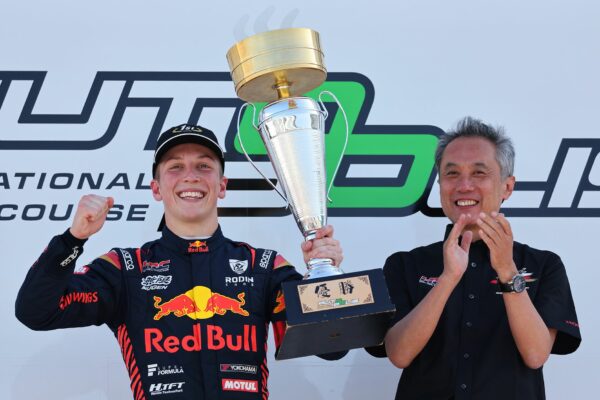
(265,258)
(387,170)
(238,266)
(71,257)
(155,369)
(166,388)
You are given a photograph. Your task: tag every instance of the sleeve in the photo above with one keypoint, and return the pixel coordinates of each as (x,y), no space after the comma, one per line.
(395,278)
(554,302)
(282,271)
(56,295)
(393,270)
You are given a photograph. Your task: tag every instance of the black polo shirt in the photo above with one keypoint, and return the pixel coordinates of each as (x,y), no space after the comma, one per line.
(472,354)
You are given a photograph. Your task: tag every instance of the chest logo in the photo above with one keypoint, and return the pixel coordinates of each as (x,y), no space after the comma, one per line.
(428,281)
(198,246)
(238,266)
(200,303)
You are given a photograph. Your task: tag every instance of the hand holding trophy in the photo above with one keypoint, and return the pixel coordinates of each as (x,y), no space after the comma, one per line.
(328,311)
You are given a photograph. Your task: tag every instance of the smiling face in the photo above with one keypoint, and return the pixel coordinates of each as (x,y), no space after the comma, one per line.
(189,182)
(471,181)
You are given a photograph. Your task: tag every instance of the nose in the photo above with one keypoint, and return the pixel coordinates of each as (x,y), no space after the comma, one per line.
(191,175)
(464,184)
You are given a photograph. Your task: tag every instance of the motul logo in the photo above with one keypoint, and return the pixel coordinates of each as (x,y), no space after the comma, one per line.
(239,385)
(216,339)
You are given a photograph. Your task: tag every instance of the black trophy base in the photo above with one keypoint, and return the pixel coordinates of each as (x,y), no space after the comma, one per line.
(335,313)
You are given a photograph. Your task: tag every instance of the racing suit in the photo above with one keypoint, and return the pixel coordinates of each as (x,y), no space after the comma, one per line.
(191,316)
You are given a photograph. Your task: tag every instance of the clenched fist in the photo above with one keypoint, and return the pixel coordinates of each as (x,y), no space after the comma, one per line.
(91,215)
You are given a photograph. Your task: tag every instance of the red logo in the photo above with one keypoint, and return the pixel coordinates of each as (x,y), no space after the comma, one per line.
(239,385)
(198,246)
(77,297)
(215,339)
(280,303)
(219,304)
(200,303)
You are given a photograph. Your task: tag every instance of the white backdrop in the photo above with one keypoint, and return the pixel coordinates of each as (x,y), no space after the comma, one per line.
(530,66)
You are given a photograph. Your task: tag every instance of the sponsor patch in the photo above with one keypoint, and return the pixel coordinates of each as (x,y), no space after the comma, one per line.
(157,370)
(244,368)
(161,266)
(71,257)
(239,280)
(129,265)
(238,266)
(77,297)
(81,270)
(157,389)
(239,385)
(428,281)
(156,282)
(198,246)
(265,258)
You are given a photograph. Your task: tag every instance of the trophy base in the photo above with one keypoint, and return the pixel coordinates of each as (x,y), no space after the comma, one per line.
(333,314)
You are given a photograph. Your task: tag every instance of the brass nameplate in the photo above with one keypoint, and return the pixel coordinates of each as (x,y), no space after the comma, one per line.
(336,293)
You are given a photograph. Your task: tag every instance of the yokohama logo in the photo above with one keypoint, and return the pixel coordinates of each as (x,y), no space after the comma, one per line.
(239,385)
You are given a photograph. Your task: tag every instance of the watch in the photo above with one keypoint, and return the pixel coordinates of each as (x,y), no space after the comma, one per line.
(516,285)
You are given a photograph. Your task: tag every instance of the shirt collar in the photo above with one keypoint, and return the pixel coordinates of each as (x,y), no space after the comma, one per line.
(191,246)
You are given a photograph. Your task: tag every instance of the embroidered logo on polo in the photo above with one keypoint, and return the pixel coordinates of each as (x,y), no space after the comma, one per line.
(528,276)
(238,266)
(428,281)
(156,282)
(197,246)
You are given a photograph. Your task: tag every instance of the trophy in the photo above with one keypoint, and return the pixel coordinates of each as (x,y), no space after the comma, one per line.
(336,311)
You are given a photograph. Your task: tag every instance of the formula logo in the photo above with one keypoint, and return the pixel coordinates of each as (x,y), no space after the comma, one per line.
(386,170)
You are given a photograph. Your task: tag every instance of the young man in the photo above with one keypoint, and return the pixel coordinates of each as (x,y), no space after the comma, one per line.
(191,309)
(478,314)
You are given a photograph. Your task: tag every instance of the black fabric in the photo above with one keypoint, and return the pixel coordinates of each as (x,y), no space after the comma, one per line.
(472,354)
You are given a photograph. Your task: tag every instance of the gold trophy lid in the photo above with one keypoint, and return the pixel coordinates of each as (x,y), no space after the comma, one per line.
(277,64)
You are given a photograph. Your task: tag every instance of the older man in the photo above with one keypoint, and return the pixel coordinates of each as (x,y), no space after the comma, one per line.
(479,313)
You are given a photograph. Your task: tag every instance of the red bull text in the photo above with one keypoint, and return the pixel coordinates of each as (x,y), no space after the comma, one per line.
(216,339)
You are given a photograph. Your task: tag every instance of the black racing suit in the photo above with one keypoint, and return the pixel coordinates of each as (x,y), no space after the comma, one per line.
(191,316)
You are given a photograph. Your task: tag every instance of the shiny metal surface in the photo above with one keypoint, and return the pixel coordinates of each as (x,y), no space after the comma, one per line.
(277,64)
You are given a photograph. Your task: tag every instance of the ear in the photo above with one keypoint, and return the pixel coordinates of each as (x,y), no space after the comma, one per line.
(509,186)
(155,187)
(223,187)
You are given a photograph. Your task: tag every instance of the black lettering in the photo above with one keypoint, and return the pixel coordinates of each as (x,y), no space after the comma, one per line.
(135,214)
(120,177)
(86,176)
(39,208)
(54,217)
(41,181)
(23,176)
(4,180)
(139,184)
(56,177)
(115,213)
(4,217)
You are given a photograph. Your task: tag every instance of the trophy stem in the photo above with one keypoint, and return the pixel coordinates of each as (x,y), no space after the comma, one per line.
(320,267)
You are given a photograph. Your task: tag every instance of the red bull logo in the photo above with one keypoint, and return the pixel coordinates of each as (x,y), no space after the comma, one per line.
(200,303)
(197,246)
(215,339)
(219,304)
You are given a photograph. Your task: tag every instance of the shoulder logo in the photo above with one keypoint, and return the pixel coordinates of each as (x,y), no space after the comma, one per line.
(238,266)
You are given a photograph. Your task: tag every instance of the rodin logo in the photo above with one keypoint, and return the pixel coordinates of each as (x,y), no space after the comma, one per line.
(387,170)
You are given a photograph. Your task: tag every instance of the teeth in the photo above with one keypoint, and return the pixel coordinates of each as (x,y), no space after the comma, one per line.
(193,195)
(466,202)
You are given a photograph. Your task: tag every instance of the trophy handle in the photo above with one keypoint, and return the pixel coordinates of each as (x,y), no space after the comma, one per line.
(324,110)
(239,133)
